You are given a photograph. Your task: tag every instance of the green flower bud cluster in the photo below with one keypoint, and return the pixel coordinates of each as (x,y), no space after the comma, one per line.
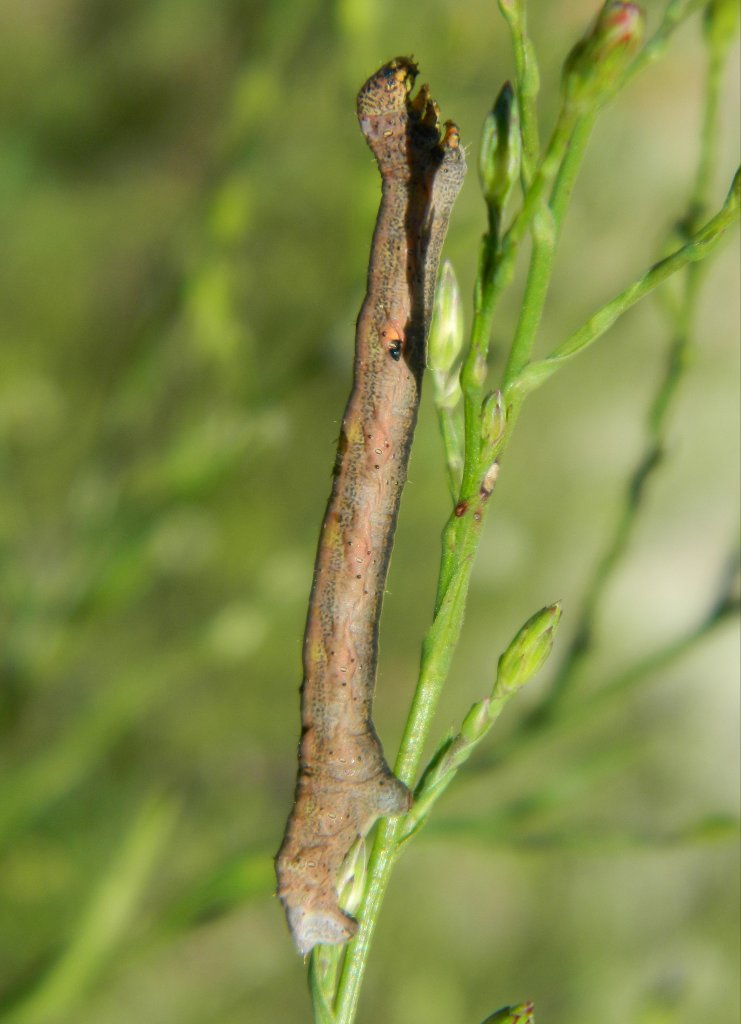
(528,652)
(595,66)
(522,659)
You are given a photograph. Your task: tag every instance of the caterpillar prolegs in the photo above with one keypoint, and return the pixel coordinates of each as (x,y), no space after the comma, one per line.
(344,783)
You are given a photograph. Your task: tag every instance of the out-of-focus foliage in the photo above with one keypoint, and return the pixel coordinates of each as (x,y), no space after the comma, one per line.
(186,205)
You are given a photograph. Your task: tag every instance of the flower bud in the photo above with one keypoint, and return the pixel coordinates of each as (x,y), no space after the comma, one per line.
(448,391)
(476,721)
(528,651)
(501,149)
(594,67)
(351,876)
(446,331)
(493,423)
(489,479)
(522,1014)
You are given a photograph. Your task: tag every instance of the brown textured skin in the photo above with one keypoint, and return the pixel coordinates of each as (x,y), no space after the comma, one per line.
(344,783)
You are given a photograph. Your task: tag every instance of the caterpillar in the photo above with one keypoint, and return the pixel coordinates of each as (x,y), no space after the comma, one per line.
(344,783)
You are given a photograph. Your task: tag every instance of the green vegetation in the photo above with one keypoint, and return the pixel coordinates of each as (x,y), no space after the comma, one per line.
(187,204)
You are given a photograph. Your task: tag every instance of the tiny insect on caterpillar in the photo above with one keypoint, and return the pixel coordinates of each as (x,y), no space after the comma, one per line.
(344,784)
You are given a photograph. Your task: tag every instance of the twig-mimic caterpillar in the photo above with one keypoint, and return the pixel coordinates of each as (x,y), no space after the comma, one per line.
(344,783)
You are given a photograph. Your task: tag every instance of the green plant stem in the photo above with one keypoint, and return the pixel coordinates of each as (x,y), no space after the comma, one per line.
(473,371)
(457,752)
(437,654)
(323,967)
(450,429)
(527,79)
(677,360)
(546,230)
(570,166)
(460,541)
(697,248)
(496,269)
(675,14)
(718,52)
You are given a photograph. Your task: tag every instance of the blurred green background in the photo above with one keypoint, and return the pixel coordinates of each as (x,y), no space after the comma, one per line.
(186,207)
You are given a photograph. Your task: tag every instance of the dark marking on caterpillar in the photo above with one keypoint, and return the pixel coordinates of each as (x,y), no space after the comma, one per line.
(343,776)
